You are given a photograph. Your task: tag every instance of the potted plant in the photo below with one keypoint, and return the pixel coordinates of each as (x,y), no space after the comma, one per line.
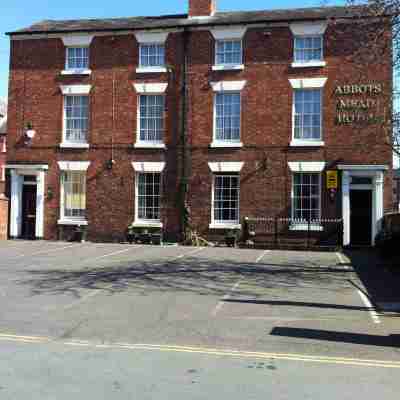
(130,234)
(145,237)
(231,237)
(156,238)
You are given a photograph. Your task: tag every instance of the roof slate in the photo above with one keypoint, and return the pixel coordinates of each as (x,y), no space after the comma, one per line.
(175,21)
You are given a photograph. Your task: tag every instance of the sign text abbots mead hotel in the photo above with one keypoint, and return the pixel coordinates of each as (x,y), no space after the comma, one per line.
(359,104)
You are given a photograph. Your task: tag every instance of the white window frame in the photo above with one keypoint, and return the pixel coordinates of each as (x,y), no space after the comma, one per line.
(65,167)
(158,89)
(228,66)
(228,87)
(147,167)
(308,29)
(304,84)
(299,223)
(226,143)
(306,167)
(156,223)
(310,63)
(149,38)
(76,41)
(235,33)
(69,143)
(224,224)
(149,143)
(312,141)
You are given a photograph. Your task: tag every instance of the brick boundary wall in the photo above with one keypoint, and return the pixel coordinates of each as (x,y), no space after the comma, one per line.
(3,217)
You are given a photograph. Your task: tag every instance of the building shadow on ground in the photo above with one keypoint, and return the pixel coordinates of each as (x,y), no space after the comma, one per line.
(342,337)
(200,276)
(380,277)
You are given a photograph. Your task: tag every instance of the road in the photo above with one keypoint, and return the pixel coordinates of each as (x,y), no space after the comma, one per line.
(115,321)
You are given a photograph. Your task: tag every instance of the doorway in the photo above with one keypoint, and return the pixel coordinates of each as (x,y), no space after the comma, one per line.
(29,194)
(360,217)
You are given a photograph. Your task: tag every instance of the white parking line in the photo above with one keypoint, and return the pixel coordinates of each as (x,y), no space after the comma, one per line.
(259,258)
(48,251)
(197,250)
(341,258)
(372,312)
(221,303)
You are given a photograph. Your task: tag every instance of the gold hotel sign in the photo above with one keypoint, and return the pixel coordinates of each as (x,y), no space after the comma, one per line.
(359,104)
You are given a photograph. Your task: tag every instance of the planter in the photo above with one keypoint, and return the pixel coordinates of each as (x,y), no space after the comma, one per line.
(130,237)
(80,234)
(145,238)
(156,239)
(230,241)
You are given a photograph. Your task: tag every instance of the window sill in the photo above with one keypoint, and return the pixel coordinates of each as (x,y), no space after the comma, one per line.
(307,143)
(150,70)
(76,222)
(309,64)
(226,144)
(144,145)
(147,224)
(66,145)
(76,72)
(304,227)
(233,67)
(224,226)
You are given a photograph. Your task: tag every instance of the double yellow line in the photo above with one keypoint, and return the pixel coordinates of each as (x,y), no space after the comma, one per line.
(208,351)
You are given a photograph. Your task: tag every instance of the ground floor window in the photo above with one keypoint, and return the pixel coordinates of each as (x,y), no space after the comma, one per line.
(148,193)
(306,196)
(226,199)
(73,194)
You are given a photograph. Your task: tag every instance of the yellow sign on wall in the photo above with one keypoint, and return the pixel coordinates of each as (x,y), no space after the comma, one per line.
(331,179)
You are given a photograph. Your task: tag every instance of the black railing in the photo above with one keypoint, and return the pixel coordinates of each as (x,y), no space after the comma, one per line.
(278,232)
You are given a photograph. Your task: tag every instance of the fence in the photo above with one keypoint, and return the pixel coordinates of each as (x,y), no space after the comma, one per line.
(276,232)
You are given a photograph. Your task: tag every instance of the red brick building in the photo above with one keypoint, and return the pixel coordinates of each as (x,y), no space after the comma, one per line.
(208,117)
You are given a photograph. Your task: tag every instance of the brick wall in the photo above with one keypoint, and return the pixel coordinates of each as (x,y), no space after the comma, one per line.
(34,95)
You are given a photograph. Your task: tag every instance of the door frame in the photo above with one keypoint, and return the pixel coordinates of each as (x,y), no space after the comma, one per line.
(376,172)
(17,182)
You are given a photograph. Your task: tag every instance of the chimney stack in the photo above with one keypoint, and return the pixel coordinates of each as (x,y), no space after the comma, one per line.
(202,8)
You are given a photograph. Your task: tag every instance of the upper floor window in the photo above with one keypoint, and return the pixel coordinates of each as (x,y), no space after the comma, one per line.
(228,52)
(308,43)
(77,58)
(151,118)
(308,49)
(227,117)
(152,55)
(76,118)
(77,54)
(307,114)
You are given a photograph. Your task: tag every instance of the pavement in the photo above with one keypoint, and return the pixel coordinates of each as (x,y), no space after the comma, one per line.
(112,320)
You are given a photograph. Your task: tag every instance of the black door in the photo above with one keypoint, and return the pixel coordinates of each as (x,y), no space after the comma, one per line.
(29,211)
(360,217)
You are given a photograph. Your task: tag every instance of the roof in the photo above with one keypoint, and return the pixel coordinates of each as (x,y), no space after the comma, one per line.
(182,20)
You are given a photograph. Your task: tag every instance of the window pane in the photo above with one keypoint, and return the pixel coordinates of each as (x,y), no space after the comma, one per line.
(152,55)
(307,114)
(77,58)
(76,118)
(227,117)
(151,118)
(226,198)
(74,188)
(306,196)
(148,196)
(308,49)
(228,52)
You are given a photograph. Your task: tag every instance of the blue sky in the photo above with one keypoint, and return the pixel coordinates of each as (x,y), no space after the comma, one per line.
(15,14)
